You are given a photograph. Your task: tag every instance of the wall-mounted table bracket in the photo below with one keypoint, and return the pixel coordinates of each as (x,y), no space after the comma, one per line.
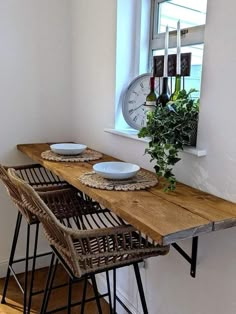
(191,259)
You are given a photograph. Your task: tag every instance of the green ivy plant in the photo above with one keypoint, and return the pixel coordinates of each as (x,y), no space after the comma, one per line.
(169,129)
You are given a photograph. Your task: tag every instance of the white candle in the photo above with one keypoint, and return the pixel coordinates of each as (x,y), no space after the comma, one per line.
(165,74)
(178,61)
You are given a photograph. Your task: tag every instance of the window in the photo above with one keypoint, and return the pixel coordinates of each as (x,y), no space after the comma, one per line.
(192,16)
(139,39)
(132,49)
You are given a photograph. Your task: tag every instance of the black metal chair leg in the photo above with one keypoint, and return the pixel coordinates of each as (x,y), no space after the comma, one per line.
(69,296)
(84,295)
(140,288)
(33,267)
(12,254)
(114,291)
(109,291)
(49,282)
(95,288)
(26,269)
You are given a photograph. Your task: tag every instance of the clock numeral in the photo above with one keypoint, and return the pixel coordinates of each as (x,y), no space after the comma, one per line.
(133,109)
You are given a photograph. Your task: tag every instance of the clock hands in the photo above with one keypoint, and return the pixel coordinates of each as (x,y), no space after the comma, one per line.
(131,111)
(138,107)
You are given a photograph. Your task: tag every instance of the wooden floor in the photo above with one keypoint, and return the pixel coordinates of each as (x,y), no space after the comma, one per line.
(58,297)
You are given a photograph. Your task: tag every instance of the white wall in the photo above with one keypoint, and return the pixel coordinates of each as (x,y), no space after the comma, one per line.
(36,76)
(35,87)
(93,49)
(170,289)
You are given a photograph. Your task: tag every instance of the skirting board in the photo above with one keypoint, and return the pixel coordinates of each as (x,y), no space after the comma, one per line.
(102,287)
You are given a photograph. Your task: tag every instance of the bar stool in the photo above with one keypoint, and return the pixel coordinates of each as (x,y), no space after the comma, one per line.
(43,180)
(89,247)
(65,201)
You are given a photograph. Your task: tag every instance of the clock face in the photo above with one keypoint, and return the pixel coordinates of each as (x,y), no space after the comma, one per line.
(133,108)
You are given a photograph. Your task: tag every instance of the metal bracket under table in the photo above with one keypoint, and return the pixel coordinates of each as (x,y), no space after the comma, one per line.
(191,259)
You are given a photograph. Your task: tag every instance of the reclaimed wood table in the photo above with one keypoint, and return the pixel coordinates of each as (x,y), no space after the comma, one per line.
(165,217)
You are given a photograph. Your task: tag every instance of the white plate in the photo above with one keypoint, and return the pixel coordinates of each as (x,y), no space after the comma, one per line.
(116,170)
(68,148)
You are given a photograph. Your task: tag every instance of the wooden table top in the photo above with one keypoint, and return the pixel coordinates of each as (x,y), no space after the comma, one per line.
(165,217)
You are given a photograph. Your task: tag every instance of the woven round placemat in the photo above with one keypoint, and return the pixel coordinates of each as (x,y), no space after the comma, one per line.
(87,155)
(141,181)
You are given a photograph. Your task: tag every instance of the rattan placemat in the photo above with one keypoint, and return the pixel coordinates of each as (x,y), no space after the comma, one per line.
(141,181)
(87,155)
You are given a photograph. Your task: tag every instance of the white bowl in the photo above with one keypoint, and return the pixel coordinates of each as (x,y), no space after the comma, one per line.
(116,170)
(68,148)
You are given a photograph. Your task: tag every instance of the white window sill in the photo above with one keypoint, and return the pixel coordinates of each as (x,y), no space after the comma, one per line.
(132,134)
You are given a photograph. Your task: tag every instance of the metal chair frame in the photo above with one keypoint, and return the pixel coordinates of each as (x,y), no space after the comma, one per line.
(72,279)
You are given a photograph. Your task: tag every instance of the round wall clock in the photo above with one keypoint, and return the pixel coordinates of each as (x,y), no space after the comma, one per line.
(133,106)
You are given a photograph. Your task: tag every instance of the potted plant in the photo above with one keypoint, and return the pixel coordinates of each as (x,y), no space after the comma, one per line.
(169,129)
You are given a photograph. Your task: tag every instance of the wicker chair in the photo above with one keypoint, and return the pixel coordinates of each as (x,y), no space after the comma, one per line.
(92,245)
(42,180)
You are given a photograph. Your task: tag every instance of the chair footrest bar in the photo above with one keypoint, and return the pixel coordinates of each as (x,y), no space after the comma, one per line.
(31,257)
(55,287)
(77,303)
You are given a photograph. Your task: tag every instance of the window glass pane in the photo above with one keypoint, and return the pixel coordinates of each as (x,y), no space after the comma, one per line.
(193,81)
(189,12)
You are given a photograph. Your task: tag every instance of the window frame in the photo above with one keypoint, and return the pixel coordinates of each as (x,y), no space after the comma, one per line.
(189,36)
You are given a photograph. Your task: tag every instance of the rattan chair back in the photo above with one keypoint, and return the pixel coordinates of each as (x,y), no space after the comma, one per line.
(36,176)
(15,195)
(55,232)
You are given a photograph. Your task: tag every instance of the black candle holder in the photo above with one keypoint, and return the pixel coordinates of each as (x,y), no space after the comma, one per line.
(158,71)
(185,65)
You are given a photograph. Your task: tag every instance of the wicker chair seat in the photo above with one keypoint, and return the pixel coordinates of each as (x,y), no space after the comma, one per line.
(105,254)
(68,202)
(124,246)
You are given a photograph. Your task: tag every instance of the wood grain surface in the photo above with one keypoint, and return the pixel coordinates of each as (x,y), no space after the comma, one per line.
(165,217)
